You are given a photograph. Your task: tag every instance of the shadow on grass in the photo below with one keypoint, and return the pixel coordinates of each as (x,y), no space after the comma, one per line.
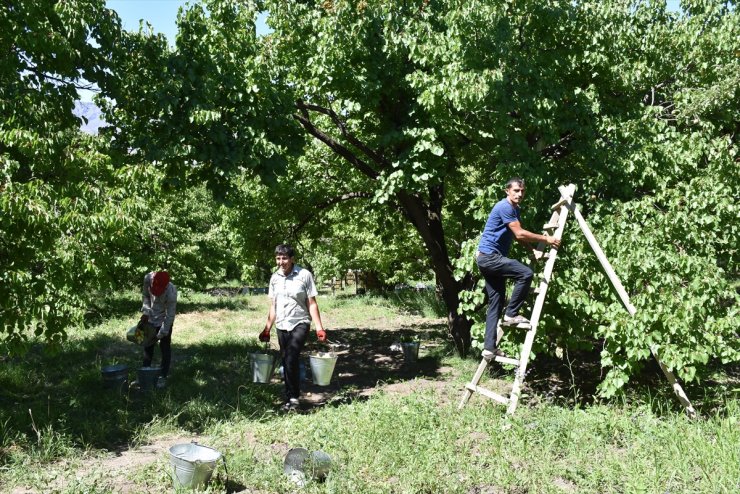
(64,395)
(573,381)
(366,359)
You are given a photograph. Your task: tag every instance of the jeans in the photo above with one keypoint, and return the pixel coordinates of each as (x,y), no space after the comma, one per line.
(495,268)
(291,344)
(165,347)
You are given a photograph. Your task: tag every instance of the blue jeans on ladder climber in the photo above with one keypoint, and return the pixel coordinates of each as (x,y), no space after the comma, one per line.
(495,268)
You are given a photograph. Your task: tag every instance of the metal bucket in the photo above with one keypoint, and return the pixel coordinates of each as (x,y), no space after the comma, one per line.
(114,376)
(192,464)
(263,366)
(300,465)
(147,377)
(410,351)
(322,367)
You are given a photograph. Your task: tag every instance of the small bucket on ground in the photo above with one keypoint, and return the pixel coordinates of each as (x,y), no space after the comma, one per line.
(263,366)
(192,464)
(410,351)
(322,367)
(147,377)
(114,376)
(301,466)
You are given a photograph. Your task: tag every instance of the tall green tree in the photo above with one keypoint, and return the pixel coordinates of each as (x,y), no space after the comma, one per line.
(426,107)
(64,206)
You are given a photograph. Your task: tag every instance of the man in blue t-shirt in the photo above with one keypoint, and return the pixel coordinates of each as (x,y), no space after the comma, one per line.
(503,226)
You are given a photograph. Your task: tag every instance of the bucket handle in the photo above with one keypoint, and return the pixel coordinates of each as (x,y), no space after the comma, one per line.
(223,460)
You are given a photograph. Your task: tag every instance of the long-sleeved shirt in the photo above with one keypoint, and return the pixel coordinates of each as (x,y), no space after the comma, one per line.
(160,309)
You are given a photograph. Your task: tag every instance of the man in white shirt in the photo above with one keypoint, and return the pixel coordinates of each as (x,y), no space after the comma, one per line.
(293,306)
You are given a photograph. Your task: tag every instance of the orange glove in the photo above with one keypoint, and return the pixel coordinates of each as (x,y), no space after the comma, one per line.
(265,336)
(321,335)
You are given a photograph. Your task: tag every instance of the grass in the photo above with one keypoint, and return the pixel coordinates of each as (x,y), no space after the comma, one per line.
(61,432)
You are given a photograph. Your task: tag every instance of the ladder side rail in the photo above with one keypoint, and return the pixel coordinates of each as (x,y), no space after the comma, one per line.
(624,297)
(677,389)
(567,194)
(611,274)
(473,382)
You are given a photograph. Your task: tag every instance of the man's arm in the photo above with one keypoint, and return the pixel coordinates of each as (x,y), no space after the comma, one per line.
(526,237)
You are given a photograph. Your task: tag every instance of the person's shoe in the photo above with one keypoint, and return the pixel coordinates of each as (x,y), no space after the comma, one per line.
(291,405)
(161,382)
(491,354)
(517,322)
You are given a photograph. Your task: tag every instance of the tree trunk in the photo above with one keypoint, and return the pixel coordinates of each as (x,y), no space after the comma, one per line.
(427,219)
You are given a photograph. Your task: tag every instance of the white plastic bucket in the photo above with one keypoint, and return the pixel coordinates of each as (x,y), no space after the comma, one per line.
(322,367)
(263,366)
(410,351)
(192,464)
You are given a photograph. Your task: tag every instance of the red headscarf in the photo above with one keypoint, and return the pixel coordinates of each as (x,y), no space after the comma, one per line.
(160,280)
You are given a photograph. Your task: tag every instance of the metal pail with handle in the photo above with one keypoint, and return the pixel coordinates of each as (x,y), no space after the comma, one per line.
(263,366)
(322,367)
(192,464)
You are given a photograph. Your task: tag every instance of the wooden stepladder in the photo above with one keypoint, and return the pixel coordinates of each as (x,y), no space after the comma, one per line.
(555,227)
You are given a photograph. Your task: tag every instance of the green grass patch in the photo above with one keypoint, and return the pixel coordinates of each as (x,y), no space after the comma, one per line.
(60,430)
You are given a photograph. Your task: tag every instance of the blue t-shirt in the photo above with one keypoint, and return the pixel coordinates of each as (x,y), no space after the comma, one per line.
(497,236)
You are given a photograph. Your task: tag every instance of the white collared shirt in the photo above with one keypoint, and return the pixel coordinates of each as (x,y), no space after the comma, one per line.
(290,294)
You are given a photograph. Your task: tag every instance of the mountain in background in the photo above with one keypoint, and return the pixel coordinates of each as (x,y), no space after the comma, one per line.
(88,111)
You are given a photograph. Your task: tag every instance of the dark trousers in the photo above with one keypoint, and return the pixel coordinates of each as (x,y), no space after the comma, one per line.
(165,347)
(291,344)
(495,268)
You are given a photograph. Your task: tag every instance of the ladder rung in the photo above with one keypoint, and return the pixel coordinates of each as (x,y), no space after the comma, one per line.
(518,326)
(490,394)
(559,203)
(506,360)
(550,226)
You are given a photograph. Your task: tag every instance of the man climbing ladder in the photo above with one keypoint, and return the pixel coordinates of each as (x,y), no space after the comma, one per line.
(554,227)
(503,226)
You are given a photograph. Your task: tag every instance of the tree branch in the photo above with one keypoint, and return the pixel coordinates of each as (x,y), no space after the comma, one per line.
(338,148)
(342,126)
(325,205)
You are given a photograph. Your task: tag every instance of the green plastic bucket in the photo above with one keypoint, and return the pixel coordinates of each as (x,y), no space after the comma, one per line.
(192,464)
(263,367)
(147,377)
(322,367)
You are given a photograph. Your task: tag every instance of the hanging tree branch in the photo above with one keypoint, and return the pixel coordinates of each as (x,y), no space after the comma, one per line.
(294,229)
(342,126)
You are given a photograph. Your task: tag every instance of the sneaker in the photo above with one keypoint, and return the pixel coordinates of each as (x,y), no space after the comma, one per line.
(490,354)
(517,322)
(290,405)
(161,382)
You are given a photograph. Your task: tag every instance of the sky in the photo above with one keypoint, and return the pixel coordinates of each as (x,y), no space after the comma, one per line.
(162,14)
